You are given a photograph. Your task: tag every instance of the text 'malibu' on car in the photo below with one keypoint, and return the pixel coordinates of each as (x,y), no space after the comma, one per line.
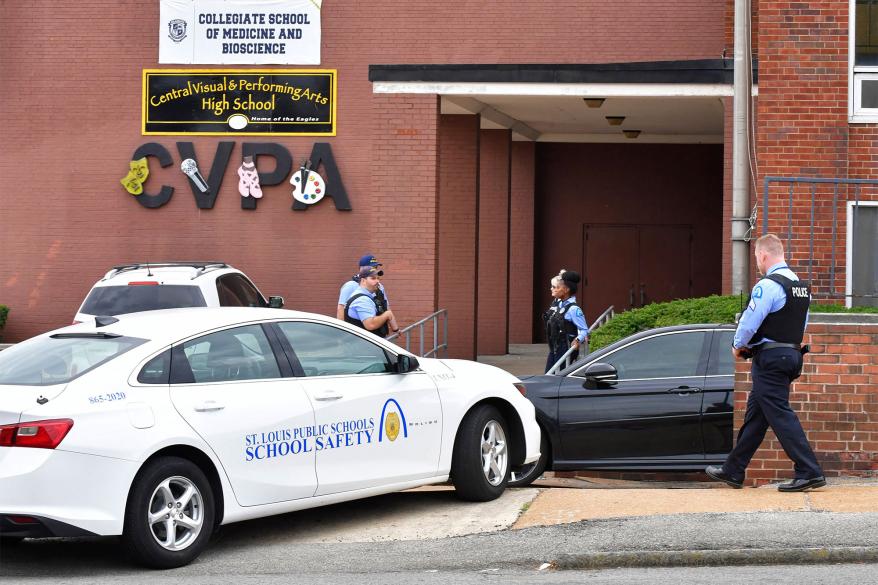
(160,426)
(658,400)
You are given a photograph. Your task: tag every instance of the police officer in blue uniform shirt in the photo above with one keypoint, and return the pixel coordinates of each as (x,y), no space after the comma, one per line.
(349,288)
(366,309)
(565,321)
(771,331)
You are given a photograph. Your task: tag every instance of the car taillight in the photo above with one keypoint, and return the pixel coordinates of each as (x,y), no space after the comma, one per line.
(75,322)
(521,388)
(40,434)
(143,283)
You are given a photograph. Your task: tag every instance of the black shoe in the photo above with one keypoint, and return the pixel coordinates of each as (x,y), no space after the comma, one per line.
(716,472)
(800,485)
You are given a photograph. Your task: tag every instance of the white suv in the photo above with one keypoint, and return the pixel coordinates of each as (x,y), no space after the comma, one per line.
(131,288)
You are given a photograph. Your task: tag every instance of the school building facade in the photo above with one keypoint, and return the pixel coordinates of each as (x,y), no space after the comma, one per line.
(474,148)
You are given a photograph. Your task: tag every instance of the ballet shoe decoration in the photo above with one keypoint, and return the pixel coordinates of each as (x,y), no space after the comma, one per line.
(136,177)
(248,185)
(308,186)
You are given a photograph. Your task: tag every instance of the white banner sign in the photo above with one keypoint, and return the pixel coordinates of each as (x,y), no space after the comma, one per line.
(247,32)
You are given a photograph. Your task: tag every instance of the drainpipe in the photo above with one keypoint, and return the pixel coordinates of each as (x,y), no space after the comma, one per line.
(741,150)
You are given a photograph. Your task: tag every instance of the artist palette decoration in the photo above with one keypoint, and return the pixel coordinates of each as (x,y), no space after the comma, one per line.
(308,186)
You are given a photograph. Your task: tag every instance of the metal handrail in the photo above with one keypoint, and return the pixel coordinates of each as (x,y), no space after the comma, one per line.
(604,318)
(565,360)
(434,318)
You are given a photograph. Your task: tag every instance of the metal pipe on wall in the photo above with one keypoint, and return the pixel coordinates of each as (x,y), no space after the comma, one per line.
(741,150)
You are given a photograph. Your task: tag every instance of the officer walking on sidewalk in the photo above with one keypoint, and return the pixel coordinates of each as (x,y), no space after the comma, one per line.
(771,331)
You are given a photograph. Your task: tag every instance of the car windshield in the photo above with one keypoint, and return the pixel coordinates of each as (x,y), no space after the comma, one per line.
(118,300)
(44,361)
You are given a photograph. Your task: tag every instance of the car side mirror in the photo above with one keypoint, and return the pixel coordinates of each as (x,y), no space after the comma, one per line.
(275,302)
(406,364)
(599,375)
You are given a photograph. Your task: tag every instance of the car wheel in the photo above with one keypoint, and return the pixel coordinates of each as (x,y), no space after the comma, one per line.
(170,514)
(526,474)
(480,461)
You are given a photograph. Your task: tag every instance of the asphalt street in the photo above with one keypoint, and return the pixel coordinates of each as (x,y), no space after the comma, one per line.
(272,549)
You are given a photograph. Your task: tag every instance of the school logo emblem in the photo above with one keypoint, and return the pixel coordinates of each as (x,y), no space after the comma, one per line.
(177,30)
(392,419)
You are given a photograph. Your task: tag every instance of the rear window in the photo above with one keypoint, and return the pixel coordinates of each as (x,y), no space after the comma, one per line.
(118,300)
(45,361)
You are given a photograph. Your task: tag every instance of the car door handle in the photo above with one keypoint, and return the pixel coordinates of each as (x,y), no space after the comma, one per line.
(209,406)
(328,396)
(683,390)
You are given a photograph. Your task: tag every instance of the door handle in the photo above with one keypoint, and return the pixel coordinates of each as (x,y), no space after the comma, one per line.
(328,396)
(642,294)
(683,390)
(209,406)
(631,296)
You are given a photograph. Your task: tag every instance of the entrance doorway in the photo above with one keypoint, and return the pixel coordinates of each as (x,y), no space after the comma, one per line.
(630,266)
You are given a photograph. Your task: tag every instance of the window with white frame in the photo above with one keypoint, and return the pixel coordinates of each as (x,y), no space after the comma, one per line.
(863,60)
(862,254)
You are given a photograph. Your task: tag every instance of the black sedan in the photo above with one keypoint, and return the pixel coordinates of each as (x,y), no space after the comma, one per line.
(658,400)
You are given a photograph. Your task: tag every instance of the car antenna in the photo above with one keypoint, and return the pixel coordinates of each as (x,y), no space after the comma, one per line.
(148,272)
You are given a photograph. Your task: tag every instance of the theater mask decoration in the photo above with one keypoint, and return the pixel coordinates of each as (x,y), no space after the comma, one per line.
(137,174)
(308,186)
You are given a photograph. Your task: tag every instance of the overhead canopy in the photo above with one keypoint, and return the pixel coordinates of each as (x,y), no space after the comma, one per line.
(667,101)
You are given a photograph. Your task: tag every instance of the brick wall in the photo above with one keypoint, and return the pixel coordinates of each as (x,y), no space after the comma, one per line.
(803,131)
(836,399)
(493,237)
(521,247)
(71,121)
(458,213)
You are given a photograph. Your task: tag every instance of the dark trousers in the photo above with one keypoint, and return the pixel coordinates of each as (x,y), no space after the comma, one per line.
(769,406)
(556,355)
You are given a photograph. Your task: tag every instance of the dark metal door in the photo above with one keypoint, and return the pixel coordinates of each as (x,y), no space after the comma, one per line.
(629,266)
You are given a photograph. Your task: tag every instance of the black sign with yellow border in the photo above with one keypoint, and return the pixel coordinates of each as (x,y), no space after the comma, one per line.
(279,102)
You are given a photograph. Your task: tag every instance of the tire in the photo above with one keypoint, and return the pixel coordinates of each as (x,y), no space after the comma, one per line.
(526,474)
(482,437)
(151,536)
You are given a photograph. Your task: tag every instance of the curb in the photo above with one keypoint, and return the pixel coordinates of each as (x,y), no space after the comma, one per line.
(706,558)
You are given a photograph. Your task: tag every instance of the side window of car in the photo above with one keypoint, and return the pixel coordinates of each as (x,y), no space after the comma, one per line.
(663,356)
(157,370)
(721,361)
(235,290)
(324,350)
(242,353)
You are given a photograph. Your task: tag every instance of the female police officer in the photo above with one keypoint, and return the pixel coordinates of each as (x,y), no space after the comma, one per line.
(565,322)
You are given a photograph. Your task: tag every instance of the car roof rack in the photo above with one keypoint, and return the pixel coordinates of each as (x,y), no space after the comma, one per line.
(200,267)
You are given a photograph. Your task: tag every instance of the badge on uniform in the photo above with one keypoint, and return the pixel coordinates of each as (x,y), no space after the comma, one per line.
(757,292)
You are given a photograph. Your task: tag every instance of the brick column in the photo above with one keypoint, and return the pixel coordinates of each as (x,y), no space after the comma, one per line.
(405,198)
(521,247)
(493,241)
(836,398)
(458,214)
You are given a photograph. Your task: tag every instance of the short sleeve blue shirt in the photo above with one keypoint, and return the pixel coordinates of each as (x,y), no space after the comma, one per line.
(767,297)
(577,317)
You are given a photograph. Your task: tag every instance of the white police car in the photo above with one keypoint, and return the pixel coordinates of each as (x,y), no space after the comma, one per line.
(161,426)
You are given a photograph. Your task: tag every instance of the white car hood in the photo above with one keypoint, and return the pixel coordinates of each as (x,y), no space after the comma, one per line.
(16,399)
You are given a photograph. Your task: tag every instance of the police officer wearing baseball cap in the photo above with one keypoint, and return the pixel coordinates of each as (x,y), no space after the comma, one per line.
(771,331)
(349,288)
(366,309)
